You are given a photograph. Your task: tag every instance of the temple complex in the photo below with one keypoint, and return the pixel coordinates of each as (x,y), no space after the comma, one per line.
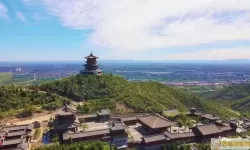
(91,66)
(144,131)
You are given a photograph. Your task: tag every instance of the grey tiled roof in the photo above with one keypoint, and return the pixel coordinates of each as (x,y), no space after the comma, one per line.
(208,129)
(179,135)
(246,120)
(225,128)
(155,138)
(67,136)
(247,123)
(67,125)
(210,117)
(87,116)
(233,122)
(63,113)
(154,121)
(219,121)
(12,128)
(118,126)
(129,119)
(19,133)
(11,142)
(233,119)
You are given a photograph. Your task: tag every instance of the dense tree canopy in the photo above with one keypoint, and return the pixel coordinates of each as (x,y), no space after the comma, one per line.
(107,90)
(91,145)
(12,97)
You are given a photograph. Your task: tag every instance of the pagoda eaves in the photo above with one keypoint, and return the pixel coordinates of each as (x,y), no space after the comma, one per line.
(91,66)
(91,56)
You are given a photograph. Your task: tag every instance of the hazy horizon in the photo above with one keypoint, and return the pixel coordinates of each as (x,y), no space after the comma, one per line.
(133,61)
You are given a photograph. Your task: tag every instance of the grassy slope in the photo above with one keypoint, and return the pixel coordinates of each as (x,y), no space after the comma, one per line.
(141,96)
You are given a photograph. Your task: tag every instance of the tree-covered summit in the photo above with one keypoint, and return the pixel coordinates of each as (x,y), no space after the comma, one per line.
(108,91)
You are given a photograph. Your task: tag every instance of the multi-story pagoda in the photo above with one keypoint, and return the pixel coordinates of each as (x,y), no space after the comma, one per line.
(91,66)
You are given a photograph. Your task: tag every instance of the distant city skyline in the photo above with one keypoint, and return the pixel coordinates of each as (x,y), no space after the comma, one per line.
(53,30)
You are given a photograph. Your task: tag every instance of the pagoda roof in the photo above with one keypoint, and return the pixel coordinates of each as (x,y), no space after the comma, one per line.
(91,56)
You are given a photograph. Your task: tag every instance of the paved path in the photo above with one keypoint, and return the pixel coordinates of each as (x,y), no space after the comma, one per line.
(37,118)
(42,117)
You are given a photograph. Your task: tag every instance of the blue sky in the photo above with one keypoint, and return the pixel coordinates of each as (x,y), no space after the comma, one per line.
(129,29)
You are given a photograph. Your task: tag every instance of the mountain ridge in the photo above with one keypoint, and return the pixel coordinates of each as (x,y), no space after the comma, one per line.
(236,96)
(103,92)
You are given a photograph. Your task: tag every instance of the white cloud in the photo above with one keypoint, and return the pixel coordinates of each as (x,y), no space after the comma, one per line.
(3,11)
(138,25)
(208,54)
(21,16)
(214,54)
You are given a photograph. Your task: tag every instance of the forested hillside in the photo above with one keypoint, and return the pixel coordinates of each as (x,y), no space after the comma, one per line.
(14,98)
(235,96)
(107,90)
(234,92)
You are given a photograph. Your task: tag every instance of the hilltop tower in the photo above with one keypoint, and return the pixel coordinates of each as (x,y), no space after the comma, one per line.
(91,66)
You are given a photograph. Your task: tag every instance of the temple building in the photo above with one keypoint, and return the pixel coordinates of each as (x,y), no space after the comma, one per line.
(16,137)
(155,124)
(91,66)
